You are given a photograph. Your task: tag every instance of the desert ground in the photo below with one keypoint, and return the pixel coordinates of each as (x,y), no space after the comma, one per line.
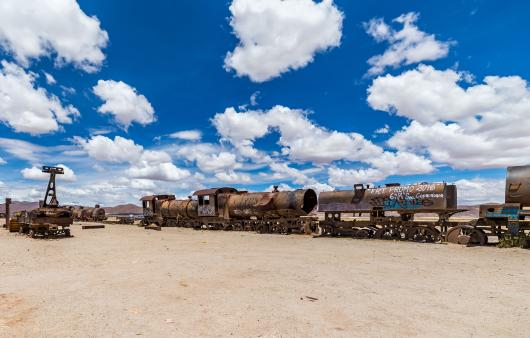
(125,281)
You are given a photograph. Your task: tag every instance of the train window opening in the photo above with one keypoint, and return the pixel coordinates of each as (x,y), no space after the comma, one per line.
(206,200)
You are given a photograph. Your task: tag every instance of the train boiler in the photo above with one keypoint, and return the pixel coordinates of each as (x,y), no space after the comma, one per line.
(165,210)
(264,212)
(389,211)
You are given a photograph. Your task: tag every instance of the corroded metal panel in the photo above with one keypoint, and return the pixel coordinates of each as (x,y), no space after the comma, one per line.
(179,208)
(518,185)
(508,211)
(426,197)
(207,210)
(271,204)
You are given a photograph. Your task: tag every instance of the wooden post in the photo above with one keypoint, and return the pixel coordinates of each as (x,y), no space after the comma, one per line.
(8,205)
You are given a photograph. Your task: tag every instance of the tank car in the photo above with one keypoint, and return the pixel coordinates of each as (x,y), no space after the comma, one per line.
(388,212)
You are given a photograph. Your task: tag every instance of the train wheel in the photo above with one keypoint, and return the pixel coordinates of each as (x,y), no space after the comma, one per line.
(389,233)
(467,235)
(423,235)
(31,233)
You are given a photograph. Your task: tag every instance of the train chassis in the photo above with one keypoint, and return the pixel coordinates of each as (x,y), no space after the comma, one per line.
(404,227)
(378,226)
(304,225)
(44,230)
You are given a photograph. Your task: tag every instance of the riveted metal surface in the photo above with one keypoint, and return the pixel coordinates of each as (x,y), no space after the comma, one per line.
(271,204)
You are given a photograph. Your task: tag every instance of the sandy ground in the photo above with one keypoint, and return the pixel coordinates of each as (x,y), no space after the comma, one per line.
(125,281)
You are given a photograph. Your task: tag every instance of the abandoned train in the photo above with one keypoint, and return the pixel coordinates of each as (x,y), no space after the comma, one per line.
(86,214)
(389,212)
(49,219)
(230,209)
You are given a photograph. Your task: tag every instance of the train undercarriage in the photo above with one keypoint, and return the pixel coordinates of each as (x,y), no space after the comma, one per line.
(404,227)
(301,225)
(473,232)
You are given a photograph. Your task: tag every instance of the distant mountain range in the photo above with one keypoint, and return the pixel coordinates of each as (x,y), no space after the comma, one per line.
(19,206)
(123,209)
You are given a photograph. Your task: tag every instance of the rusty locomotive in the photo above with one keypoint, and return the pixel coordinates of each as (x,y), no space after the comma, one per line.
(95,214)
(419,212)
(230,209)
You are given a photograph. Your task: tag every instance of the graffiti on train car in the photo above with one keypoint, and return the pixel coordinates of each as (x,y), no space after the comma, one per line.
(406,197)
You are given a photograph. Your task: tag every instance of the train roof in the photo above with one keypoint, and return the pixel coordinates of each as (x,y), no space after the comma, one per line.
(214,191)
(152,197)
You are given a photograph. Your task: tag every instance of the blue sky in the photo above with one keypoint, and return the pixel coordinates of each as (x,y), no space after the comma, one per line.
(177,96)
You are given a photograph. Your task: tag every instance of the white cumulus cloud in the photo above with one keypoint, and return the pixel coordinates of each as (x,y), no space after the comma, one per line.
(276,36)
(303,141)
(119,150)
(300,139)
(50,79)
(209,158)
(188,135)
(32,28)
(124,103)
(407,46)
(156,165)
(35,173)
(475,126)
(348,177)
(480,190)
(387,164)
(27,108)
(233,177)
